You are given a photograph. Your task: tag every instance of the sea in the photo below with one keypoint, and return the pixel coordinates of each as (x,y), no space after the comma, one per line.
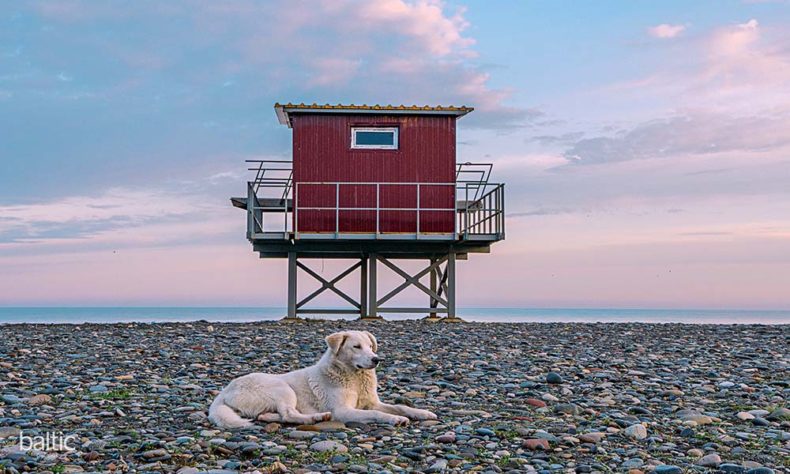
(77,315)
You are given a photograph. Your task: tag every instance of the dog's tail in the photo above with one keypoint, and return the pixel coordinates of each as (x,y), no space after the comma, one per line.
(224,416)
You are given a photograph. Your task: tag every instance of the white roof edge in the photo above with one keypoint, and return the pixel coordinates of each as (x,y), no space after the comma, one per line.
(284,118)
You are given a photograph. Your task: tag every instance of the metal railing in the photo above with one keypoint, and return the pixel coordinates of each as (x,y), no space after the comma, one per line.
(475,176)
(337,208)
(486,214)
(478,206)
(272,184)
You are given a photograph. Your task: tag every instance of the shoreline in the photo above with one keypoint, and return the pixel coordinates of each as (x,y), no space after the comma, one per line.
(309,322)
(511,397)
(76,315)
(349,321)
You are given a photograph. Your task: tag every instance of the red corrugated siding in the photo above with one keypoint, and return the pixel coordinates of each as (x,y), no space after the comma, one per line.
(426,154)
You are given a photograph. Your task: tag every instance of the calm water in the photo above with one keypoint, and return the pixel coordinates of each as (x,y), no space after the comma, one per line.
(174,314)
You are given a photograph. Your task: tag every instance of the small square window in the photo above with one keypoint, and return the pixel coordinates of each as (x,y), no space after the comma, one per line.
(374,138)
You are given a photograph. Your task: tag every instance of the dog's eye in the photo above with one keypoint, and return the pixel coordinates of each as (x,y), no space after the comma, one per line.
(357,347)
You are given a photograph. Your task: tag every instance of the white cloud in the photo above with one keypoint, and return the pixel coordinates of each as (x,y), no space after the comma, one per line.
(404,51)
(119,214)
(666,31)
(424,20)
(692,134)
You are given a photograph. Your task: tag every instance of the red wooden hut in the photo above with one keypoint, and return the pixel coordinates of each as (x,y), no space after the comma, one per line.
(373,183)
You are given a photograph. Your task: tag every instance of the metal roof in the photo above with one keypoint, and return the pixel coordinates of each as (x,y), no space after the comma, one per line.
(284,110)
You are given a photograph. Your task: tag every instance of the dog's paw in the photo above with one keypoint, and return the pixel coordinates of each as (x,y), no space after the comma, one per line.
(322,417)
(270,417)
(398,420)
(424,415)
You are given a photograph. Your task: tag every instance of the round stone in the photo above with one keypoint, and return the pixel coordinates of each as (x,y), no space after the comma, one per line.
(554,378)
(668,469)
(710,460)
(637,431)
(328,446)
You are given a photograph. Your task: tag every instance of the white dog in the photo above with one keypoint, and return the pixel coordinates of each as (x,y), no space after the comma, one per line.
(341,386)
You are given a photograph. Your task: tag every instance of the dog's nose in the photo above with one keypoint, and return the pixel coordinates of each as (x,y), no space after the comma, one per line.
(375,360)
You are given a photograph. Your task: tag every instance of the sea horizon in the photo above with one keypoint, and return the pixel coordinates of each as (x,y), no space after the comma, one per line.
(230,314)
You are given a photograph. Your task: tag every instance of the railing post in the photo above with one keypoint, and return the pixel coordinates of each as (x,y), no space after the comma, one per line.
(489,214)
(502,190)
(455,210)
(285,216)
(418,210)
(378,209)
(250,209)
(337,210)
(466,213)
(296,210)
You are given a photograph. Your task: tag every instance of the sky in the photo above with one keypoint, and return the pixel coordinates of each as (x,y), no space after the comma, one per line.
(644,145)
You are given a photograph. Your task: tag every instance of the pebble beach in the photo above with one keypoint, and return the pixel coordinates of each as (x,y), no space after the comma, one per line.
(520,397)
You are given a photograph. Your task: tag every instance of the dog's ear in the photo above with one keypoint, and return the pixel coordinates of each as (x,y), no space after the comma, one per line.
(335,341)
(372,341)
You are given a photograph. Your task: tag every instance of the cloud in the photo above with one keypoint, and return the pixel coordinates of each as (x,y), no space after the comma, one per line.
(541,212)
(739,68)
(698,133)
(424,20)
(726,92)
(666,31)
(117,211)
(388,51)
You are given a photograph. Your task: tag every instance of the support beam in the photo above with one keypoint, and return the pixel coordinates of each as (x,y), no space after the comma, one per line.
(434,278)
(291,286)
(441,292)
(411,280)
(363,287)
(450,273)
(328,285)
(373,307)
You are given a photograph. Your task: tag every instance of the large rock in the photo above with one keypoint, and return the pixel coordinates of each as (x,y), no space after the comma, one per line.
(593,438)
(331,426)
(37,400)
(536,444)
(554,378)
(745,416)
(698,418)
(298,434)
(668,469)
(10,398)
(327,446)
(710,460)
(637,431)
(8,431)
(779,414)
(567,408)
(535,402)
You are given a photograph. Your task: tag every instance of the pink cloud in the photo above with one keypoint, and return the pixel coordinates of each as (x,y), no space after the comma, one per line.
(742,68)
(666,31)
(424,20)
(332,48)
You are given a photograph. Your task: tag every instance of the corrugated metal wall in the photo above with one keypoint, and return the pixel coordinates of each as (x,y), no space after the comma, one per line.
(426,154)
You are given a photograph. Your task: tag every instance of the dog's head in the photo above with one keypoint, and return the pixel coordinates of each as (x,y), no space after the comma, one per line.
(354,349)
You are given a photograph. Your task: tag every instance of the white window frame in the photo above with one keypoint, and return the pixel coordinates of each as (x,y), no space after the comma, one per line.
(394,131)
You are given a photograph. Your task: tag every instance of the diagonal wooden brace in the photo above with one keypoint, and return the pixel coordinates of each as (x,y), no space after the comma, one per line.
(328,284)
(412,280)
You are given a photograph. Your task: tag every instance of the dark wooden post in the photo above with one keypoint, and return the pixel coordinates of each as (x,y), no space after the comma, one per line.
(292,285)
